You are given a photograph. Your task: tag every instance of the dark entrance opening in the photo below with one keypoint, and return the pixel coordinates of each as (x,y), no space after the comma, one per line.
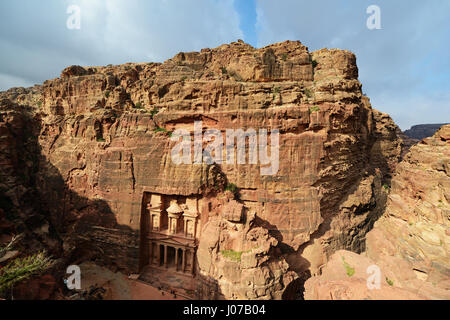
(180,259)
(161,254)
(170,257)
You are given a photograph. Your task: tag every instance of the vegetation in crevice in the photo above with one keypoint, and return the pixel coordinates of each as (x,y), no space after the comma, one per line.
(348,269)
(232,188)
(314,109)
(389,281)
(233,255)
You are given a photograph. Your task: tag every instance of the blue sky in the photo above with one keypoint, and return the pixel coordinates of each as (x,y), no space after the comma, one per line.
(247,20)
(404,67)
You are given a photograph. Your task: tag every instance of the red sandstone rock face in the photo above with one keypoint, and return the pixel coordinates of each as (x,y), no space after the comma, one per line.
(410,242)
(20,205)
(338,282)
(39,288)
(101,150)
(415,226)
(244,260)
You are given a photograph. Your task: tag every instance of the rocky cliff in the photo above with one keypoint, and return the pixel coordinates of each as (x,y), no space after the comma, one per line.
(410,242)
(99,137)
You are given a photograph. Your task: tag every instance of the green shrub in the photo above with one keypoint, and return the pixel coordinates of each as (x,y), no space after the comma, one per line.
(9,246)
(232,255)
(159,129)
(107,93)
(138,105)
(275,91)
(389,281)
(308,93)
(100,139)
(348,269)
(23,268)
(314,109)
(154,112)
(232,187)
(386,187)
(224,70)
(284,56)
(314,63)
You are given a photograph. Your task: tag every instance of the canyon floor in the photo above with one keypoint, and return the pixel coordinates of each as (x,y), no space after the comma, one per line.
(120,287)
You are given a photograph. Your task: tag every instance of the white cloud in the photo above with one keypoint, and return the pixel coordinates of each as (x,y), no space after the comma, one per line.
(403,64)
(36,45)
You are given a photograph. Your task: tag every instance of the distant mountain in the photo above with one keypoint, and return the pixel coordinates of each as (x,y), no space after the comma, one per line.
(421,131)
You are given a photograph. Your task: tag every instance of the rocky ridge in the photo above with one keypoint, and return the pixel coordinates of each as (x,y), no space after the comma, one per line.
(422,131)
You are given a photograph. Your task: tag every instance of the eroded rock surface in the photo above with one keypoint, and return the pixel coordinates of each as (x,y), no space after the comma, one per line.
(410,242)
(103,139)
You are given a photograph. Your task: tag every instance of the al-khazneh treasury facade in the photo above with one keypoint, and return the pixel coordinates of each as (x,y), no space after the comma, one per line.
(169,233)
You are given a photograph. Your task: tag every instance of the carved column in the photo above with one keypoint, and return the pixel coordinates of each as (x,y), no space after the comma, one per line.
(165,256)
(158,253)
(150,252)
(183,261)
(192,261)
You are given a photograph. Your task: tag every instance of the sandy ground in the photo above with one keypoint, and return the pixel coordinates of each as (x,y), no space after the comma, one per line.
(142,291)
(119,287)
